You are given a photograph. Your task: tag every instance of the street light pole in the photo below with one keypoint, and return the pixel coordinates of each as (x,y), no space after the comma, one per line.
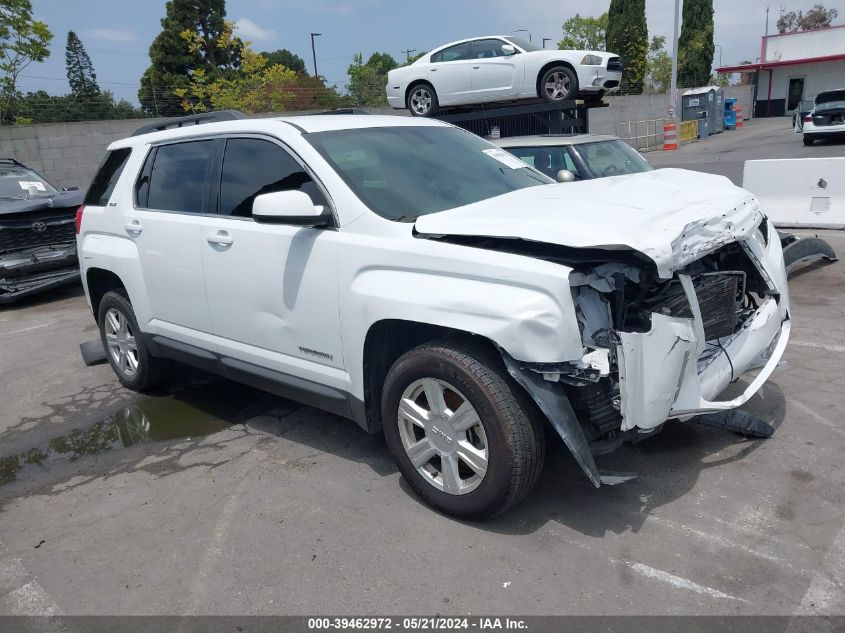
(720,53)
(523,31)
(546,39)
(314,52)
(674,84)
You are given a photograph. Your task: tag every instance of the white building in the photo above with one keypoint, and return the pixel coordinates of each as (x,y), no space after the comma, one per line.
(795,66)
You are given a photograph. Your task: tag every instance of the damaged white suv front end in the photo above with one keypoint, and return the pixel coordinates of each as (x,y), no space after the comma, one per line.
(679,289)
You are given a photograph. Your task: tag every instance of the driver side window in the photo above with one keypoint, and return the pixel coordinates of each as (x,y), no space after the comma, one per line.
(252,167)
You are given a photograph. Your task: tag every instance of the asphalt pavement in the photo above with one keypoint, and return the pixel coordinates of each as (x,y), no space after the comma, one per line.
(213,498)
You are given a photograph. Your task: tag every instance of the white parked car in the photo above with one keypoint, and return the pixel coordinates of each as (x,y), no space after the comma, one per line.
(416,279)
(569,157)
(827,119)
(499,68)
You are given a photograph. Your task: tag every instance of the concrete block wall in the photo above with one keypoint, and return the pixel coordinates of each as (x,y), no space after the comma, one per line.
(68,154)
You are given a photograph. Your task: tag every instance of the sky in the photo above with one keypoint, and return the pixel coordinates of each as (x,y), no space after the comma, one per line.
(117,34)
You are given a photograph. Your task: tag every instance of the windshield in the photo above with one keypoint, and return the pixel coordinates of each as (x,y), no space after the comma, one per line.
(524,44)
(23,183)
(612,158)
(404,172)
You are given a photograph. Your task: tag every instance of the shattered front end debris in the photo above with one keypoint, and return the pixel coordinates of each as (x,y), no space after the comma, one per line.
(674,302)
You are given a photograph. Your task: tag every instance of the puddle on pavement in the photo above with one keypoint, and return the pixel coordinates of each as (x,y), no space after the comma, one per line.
(192,413)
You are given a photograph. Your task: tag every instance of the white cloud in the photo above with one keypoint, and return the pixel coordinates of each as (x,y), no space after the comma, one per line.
(249,30)
(111,35)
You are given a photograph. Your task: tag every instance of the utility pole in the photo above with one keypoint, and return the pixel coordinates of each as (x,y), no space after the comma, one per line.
(408,54)
(673,90)
(314,52)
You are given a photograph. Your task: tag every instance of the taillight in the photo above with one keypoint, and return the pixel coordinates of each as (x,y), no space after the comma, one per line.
(78,222)
(808,118)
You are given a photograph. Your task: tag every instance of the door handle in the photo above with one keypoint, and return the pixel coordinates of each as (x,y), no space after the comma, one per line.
(133,228)
(476,67)
(434,70)
(221,238)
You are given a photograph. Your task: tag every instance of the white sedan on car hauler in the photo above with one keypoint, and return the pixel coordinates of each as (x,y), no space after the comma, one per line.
(499,68)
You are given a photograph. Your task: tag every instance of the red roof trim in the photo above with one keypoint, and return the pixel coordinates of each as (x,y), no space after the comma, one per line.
(776,64)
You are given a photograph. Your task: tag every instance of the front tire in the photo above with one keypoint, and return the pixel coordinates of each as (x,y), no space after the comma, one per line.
(463,434)
(808,140)
(558,83)
(128,355)
(422,100)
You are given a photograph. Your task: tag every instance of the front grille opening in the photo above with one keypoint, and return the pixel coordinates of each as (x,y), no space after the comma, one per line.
(727,284)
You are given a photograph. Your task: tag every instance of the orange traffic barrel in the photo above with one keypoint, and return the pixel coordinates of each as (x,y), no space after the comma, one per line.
(739,118)
(670,136)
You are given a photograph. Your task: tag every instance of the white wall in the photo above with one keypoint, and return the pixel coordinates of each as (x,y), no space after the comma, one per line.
(819,43)
(818,77)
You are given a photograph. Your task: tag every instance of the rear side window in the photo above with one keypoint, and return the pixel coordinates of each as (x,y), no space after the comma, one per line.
(178,180)
(104,182)
(252,167)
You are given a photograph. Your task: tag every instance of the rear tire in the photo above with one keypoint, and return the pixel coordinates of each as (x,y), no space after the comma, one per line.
(808,140)
(422,100)
(479,449)
(126,351)
(558,83)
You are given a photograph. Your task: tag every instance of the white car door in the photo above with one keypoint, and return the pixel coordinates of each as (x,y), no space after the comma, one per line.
(166,226)
(272,288)
(449,73)
(495,74)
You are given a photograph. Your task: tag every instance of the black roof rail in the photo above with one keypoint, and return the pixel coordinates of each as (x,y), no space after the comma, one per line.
(352,110)
(192,119)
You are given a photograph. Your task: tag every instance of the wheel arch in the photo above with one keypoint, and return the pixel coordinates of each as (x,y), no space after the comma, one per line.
(545,68)
(385,341)
(414,84)
(99,282)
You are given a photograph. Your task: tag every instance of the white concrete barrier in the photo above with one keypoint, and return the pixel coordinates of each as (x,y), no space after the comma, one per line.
(799,192)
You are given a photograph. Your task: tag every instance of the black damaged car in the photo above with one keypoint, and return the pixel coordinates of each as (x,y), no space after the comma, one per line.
(37,232)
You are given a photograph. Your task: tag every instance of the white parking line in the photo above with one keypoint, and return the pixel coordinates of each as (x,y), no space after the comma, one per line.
(828,348)
(826,593)
(27,329)
(680,583)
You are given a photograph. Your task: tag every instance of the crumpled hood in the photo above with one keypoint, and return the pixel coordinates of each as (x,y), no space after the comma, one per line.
(58,200)
(673,216)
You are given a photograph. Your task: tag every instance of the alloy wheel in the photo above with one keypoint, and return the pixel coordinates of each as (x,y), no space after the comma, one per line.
(120,341)
(557,86)
(421,101)
(443,436)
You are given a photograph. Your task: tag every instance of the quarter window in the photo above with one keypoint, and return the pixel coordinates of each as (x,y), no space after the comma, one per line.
(252,167)
(452,54)
(104,182)
(179,177)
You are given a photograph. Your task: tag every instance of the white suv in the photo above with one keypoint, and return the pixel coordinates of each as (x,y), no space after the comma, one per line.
(414,278)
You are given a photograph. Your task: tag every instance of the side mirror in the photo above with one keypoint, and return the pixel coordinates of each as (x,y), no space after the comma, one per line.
(564,175)
(289,207)
(508,49)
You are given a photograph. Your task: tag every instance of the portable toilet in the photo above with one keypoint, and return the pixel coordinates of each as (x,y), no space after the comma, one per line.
(706,104)
(717,115)
(730,114)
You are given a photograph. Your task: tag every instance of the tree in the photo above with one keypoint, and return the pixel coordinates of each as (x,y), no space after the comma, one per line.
(255,86)
(194,36)
(367,82)
(695,46)
(627,36)
(414,58)
(80,70)
(23,40)
(285,58)
(816,18)
(658,66)
(584,33)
